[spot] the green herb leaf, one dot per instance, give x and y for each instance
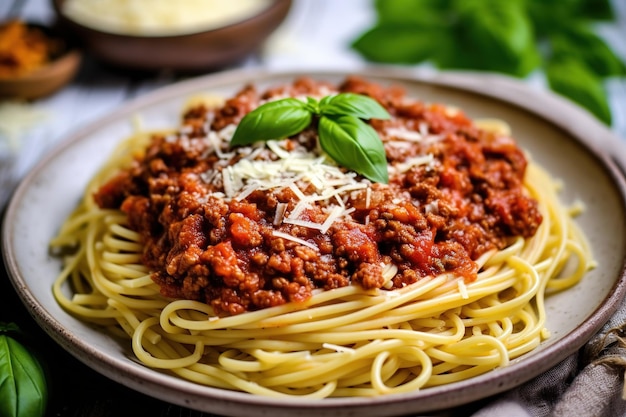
(351, 104)
(579, 42)
(421, 12)
(399, 43)
(312, 105)
(407, 31)
(597, 9)
(273, 120)
(355, 145)
(514, 37)
(342, 134)
(573, 79)
(551, 17)
(499, 36)
(23, 386)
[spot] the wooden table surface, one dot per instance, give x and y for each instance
(75, 389)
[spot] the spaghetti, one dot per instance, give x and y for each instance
(349, 340)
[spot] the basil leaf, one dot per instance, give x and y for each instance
(351, 104)
(323, 102)
(312, 105)
(273, 120)
(572, 79)
(342, 134)
(23, 386)
(551, 16)
(399, 44)
(421, 12)
(499, 36)
(579, 42)
(597, 9)
(407, 32)
(514, 37)
(354, 144)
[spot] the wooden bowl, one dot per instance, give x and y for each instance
(46, 79)
(206, 50)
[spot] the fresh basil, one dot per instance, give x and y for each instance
(342, 133)
(552, 16)
(572, 79)
(354, 144)
(596, 9)
(498, 35)
(350, 104)
(515, 37)
(23, 388)
(580, 43)
(422, 12)
(275, 119)
(410, 44)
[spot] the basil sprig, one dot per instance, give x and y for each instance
(23, 388)
(343, 134)
(515, 37)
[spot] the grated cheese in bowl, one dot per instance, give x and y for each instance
(160, 17)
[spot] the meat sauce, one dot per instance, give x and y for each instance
(232, 253)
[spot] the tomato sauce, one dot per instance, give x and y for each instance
(432, 218)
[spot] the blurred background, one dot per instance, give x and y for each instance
(65, 63)
(574, 47)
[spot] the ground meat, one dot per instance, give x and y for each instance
(232, 253)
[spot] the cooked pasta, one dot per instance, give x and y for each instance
(344, 341)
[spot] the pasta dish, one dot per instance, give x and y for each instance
(270, 268)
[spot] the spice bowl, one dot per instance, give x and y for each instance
(45, 79)
(196, 50)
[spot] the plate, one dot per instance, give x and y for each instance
(561, 137)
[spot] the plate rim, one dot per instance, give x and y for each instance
(608, 150)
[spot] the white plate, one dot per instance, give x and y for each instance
(561, 137)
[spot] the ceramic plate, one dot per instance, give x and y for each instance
(561, 137)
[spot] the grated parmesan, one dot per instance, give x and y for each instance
(310, 175)
(409, 163)
(160, 17)
(312, 178)
(294, 239)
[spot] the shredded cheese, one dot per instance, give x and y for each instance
(337, 212)
(312, 178)
(160, 17)
(412, 162)
(294, 239)
(310, 175)
(403, 134)
(280, 213)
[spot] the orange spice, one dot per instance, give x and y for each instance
(23, 48)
